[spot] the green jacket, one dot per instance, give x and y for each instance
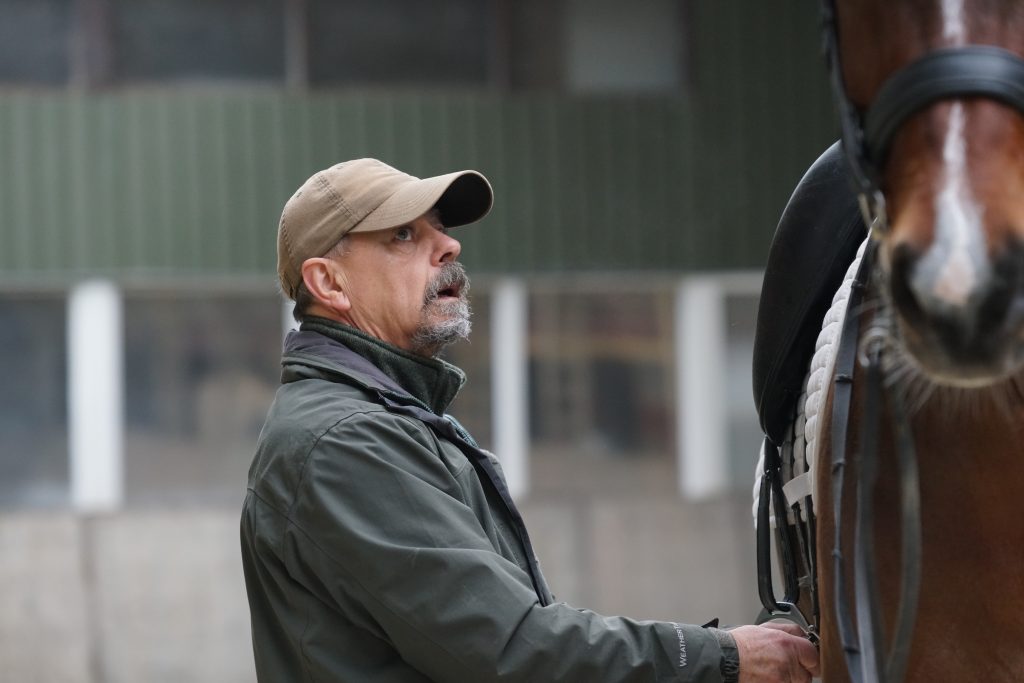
(373, 551)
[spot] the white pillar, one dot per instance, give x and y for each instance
(95, 395)
(508, 387)
(700, 381)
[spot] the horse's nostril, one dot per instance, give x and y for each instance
(972, 327)
(904, 259)
(1002, 312)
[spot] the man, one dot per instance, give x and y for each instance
(379, 542)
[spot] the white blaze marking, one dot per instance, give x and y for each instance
(953, 28)
(953, 266)
(956, 263)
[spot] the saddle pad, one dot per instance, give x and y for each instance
(799, 448)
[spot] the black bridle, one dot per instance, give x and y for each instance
(949, 73)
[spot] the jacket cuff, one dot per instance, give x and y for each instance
(730, 665)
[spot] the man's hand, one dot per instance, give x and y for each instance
(777, 652)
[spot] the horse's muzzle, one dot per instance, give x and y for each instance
(971, 340)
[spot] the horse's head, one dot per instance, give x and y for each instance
(952, 174)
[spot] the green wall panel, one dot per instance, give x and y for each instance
(179, 182)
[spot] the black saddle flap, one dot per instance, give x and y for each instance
(814, 244)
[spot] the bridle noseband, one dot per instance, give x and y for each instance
(950, 73)
(969, 71)
(982, 71)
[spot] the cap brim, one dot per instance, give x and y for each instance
(461, 198)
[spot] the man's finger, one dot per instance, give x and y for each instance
(785, 625)
(807, 655)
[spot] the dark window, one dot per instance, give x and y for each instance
(198, 39)
(601, 393)
(535, 39)
(619, 46)
(35, 41)
(200, 371)
(33, 401)
(399, 42)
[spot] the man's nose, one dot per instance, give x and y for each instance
(448, 248)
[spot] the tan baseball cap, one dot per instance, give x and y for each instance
(364, 195)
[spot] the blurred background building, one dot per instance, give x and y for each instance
(641, 154)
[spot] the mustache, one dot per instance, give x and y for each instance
(451, 276)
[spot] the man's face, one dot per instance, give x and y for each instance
(406, 287)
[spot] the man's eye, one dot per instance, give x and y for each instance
(403, 234)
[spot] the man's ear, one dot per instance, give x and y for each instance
(326, 284)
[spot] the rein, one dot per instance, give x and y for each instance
(865, 653)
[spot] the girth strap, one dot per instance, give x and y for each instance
(772, 501)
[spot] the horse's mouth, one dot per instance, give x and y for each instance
(947, 360)
(973, 341)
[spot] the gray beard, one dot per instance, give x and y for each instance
(443, 322)
(432, 337)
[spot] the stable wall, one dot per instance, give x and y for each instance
(158, 596)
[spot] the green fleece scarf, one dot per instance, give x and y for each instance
(429, 380)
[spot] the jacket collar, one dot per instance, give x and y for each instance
(328, 346)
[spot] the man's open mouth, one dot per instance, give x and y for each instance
(451, 291)
(450, 283)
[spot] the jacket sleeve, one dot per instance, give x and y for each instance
(380, 525)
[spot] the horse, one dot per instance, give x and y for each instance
(919, 453)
